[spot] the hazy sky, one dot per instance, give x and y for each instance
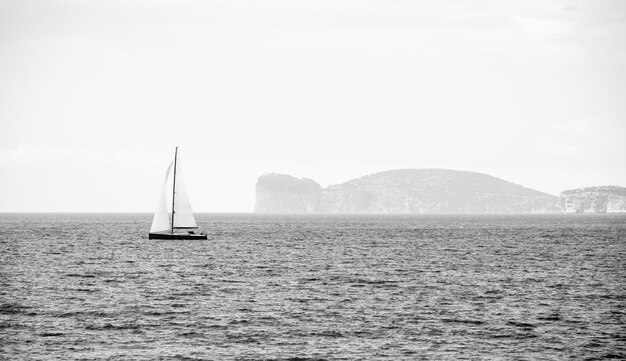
(95, 94)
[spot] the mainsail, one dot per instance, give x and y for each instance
(182, 217)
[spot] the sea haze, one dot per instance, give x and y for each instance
(93, 287)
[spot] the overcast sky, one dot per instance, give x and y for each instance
(95, 94)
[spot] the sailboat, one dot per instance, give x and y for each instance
(180, 222)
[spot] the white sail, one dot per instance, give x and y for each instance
(161, 221)
(183, 216)
(178, 221)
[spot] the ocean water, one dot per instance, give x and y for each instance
(93, 287)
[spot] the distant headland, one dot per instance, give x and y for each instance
(427, 191)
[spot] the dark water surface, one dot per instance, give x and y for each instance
(93, 287)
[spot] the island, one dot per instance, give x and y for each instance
(605, 199)
(403, 191)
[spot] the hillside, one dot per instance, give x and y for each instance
(401, 191)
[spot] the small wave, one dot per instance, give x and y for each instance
(218, 327)
(593, 344)
(548, 235)
(357, 285)
(365, 281)
(51, 334)
(236, 322)
(469, 322)
(552, 317)
(608, 356)
(502, 335)
(191, 334)
(110, 326)
(492, 292)
(521, 324)
(9, 325)
(67, 314)
(362, 333)
(12, 308)
(293, 358)
(88, 290)
(620, 356)
(328, 333)
(98, 314)
(162, 313)
(187, 358)
(80, 275)
(557, 285)
(243, 339)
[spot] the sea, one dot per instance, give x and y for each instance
(314, 287)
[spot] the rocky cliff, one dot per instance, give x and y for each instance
(401, 191)
(607, 199)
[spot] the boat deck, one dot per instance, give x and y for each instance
(177, 236)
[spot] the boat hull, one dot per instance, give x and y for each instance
(176, 236)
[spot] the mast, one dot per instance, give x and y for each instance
(174, 188)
